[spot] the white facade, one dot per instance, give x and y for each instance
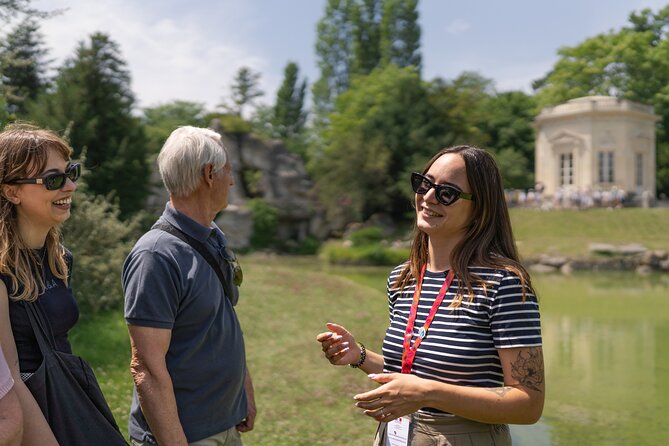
(596, 143)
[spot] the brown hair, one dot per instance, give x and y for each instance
(24, 151)
(488, 241)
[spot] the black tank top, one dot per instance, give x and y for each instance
(60, 308)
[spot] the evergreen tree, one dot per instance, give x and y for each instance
(12, 8)
(400, 34)
(4, 115)
(244, 90)
(22, 65)
(93, 101)
(289, 114)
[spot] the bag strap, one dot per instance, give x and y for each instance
(40, 326)
(199, 247)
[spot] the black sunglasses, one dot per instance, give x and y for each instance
(237, 274)
(446, 194)
(52, 181)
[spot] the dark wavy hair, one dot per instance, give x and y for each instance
(488, 241)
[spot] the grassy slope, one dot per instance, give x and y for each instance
(569, 232)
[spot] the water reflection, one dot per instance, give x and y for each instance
(606, 353)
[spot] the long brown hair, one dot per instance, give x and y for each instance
(488, 241)
(24, 152)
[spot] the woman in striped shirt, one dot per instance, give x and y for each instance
(462, 355)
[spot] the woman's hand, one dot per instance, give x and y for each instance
(400, 394)
(339, 346)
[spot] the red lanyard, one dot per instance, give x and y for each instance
(409, 352)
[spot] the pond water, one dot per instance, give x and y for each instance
(606, 352)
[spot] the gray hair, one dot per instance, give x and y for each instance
(184, 154)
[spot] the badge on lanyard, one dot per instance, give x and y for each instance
(397, 432)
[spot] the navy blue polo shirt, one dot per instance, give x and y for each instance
(167, 284)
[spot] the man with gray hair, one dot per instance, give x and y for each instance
(181, 282)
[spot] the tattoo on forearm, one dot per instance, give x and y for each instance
(528, 369)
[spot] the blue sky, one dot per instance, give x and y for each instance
(191, 50)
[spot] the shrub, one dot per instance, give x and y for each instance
(336, 253)
(99, 242)
(366, 236)
(308, 246)
(231, 124)
(265, 223)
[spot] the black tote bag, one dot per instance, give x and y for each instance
(66, 390)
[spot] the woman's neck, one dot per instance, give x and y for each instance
(439, 253)
(33, 236)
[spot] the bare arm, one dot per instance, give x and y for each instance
(249, 421)
(11, 420)
(154, 383)
(519, 401)
(36, 430)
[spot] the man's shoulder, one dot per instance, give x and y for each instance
(159, 244)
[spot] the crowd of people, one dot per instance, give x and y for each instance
(571, 198)
(462, 356)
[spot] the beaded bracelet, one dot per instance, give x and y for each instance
(363, 356)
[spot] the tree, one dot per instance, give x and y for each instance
(507, 122)
(22, 65)
(400, 34)
(383, 127)
(12, 8)
(334, 54)
(289, 114)
(4, 115)
(356, 36)
(93, 100)
(161, 120)
(244, 90)
(459, 106)
(366, 19)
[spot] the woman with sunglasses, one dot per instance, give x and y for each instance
(37, 181)
(462, 355)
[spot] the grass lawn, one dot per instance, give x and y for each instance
(301, 398)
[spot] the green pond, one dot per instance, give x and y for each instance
(606, 352)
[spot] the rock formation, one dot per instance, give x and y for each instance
(280, 179)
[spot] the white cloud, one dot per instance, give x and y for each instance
(458, 26)
(177, 54)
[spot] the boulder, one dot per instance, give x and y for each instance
(602, 249)
(542, 269)
(631, 249)
(556, 261)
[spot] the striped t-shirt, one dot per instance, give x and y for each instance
(461, 344)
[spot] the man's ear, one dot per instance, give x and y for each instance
(208, 173)
(10, 193)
